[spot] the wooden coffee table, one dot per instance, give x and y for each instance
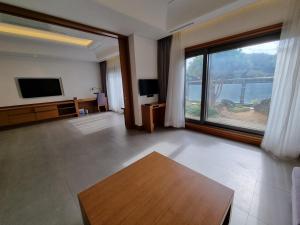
(156, 191)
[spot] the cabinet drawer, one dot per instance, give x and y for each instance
(22, 118)
(20, 111)
(45, 108)
(3, 119)
(47, 115)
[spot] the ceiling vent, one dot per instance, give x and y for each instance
(181, 27)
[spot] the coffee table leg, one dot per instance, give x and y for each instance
(84, 217)
(227, 218)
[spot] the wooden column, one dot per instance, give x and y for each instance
(126, 79)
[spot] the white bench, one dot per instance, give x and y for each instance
(296, 195)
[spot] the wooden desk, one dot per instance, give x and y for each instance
(153, 115)
(90, 104)
(156, 190)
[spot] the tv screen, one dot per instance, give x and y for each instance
(39, 87)
(148, 86)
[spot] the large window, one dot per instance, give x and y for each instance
(236, 87)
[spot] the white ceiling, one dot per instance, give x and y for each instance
(171, 14)
(153, 12)
(101, 48)
(149, 18)
(181, 12)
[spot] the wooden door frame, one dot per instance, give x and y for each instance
(122, 40)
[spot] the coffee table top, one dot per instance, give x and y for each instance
(156, 190)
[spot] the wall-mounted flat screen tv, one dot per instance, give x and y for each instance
(148, 87)
(39, 87)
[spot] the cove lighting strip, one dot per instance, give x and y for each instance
(41, 34)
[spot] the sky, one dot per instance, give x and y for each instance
(267, 48)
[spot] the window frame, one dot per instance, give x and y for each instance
(259, 36)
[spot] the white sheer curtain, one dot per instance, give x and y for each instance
(174, 115)
(114, 85)
(282, 135)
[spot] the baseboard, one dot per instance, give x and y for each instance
(244, 137)
(139, 127)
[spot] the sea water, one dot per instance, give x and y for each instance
(232, 92)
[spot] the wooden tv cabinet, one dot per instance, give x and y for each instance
(23, 114)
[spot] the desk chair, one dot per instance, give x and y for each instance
(102, 101)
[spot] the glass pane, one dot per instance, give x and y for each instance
(193, 87)
(240, 85)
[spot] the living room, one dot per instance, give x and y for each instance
(149, 112)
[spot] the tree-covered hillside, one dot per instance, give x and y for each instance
(233, 64)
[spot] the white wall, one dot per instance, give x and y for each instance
(143, 58)
(78, 77)
(257, 15)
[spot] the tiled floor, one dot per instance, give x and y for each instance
(44, 166)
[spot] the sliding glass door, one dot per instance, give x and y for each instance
(193, 87)
(232, 84)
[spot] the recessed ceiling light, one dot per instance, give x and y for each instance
(41, 34)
